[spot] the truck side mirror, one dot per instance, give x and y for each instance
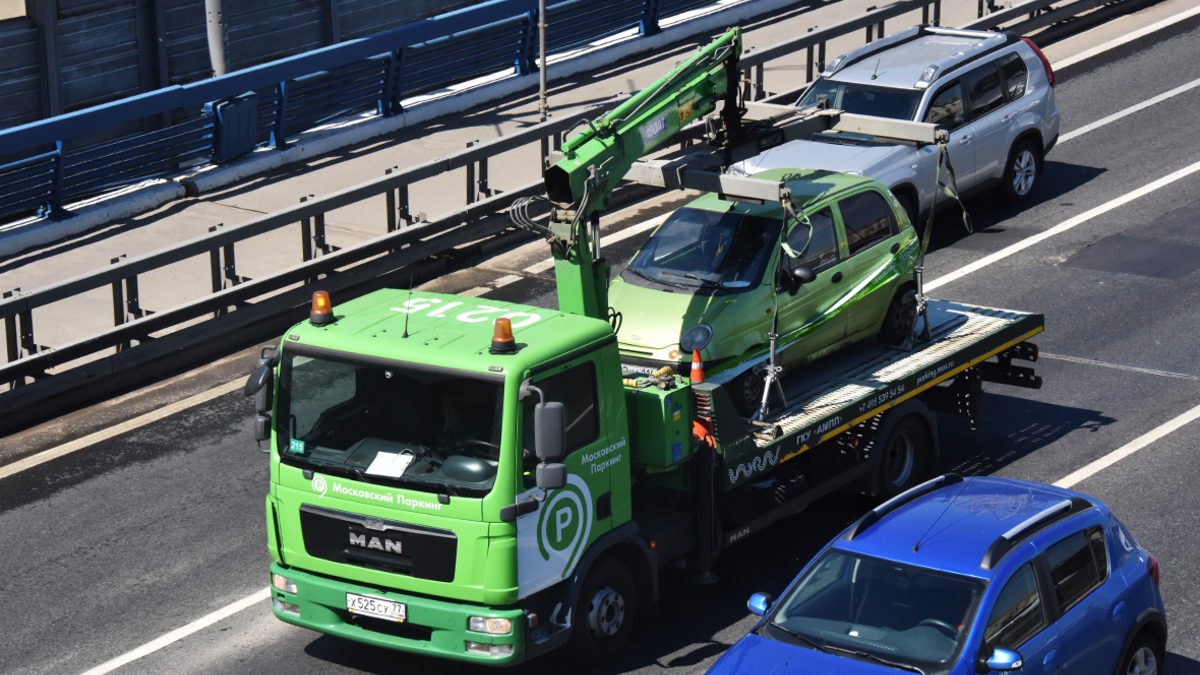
(261, 385)
(550, 432)
(551, 476)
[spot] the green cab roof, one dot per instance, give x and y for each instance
(808, 187)
(449, 331)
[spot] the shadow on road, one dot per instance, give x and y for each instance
(1181, 665)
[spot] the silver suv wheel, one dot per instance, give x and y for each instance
(1024, 172)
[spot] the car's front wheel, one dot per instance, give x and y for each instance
(746, 391)
(1144, 657)
(1021, 172)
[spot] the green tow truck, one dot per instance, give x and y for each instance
(482, 481)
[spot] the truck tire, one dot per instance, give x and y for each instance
(899, 319)
(1021, 172)
(905, 456)
(604, 613)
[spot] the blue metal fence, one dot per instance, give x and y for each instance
(46, 163)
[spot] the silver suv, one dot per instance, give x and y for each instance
(993, 93)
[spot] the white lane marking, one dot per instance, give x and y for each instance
(1141, 32)
(538, 268)
(123, 427)
(477, 291)
(1129, 448)
(1128, 111)
(180, 633)
(1062, 227)
(506, 280)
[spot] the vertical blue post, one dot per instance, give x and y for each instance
(527, 45)
(57, 212)
(650, 18)
(277, 137)
(387, 91)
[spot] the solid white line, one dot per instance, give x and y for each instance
(1062, 227)
(123, 427)
(1128, 111)
(180, 633)
(1141, 32)
(1129, 448)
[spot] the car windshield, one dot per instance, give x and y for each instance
(705, 250)
(864, 99)
(389, 423)
(878, 610)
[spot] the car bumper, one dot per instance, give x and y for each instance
(435, 628)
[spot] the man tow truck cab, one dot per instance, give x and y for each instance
(477, 480)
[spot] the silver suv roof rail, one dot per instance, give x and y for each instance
(874, 515)
(1006, 542)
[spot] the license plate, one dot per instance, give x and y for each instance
(379, 608)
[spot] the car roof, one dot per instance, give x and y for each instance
(956, 525)
(902, 65)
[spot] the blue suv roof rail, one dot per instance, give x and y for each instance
(1048, 516)
(874, 515)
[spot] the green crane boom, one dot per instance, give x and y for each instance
(597, 158)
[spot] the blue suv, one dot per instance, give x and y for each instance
(964, 576)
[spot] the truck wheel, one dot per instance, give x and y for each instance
(604, 613)
(746, 392)
(1021, 172)
(1144, 657)
(898, 321)
(905, 456)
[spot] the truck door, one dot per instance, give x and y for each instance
(817, 297)
(947, 110)
(868, 223)
(551, 539)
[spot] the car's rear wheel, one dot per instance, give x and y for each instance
(746, 392)
(1021, 172)
(1144, 657)
(904, 456)
(898, 321)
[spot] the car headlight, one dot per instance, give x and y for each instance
(481, 624)
(696, 337)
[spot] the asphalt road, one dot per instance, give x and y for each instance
(114, 545)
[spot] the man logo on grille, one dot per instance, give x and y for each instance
(318, 485)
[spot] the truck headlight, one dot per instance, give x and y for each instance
(488, 650)
(283, 583)
(696, 337)
(481, 624)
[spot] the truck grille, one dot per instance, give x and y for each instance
(375, 543)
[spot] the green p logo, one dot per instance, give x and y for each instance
(565, 522)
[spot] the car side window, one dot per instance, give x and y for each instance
(823, 249)
(1018, 614)
(868, 220)
(575, 388)
(1078, 565)
(983, 87)
(946, 108)
(1013, 75)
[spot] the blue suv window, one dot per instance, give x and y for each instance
(1078, 565)
(1017, 615)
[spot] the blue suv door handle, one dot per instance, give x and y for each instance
(1118, 611)
(1051, 657)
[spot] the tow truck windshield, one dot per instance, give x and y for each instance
(706, 251)
(908, 617)
(388, 423)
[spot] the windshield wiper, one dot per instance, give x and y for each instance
(876, 659)
(689, 275)
(798, 635)
(653, 280)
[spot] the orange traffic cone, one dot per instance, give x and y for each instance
(697, 367)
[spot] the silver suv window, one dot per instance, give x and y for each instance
(865, 99)
(946, 109)
(1013, 74)
(983, 86)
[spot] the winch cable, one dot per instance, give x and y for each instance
(950, 188)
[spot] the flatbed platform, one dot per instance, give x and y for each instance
(827, 398)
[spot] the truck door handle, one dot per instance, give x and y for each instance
(837, 276)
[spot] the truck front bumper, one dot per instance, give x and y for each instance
(436, 628)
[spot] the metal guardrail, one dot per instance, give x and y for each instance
(245, 311)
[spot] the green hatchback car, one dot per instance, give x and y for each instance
(712, 274)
